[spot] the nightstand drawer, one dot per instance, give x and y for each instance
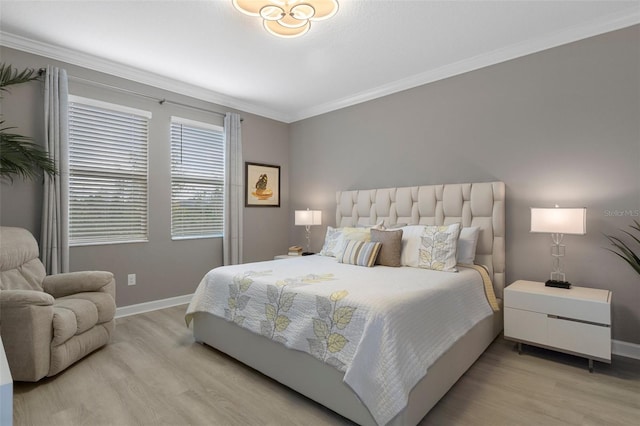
(587, 339)
(580, 303)
(525, 325)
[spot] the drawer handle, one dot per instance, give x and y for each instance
(577, 320)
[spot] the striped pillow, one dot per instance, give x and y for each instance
(361, 253)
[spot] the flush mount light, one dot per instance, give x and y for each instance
(290, 18)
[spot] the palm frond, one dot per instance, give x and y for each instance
(637, 240)
(624, 250)
(20, 156)
(10, 76)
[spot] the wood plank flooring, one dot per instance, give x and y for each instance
(152, 373)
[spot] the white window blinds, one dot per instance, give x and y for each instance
(108, 167)
(197, 179)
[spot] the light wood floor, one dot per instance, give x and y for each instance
(153, 373)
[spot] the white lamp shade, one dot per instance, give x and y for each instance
(308, 217)
(559, 220)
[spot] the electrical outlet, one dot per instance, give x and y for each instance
(131, 279)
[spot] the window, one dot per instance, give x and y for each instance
(108, 162)
(197, 179)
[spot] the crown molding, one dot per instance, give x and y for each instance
(579, 32)
(116, 69)
(609, 23)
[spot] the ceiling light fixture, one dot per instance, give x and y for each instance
(290, 18)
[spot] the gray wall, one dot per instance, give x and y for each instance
(560, 126)
(164, 268)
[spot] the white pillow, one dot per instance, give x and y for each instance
(467, 243)
(438, 247)
(332, 242)
(412, 242)
(411, 238)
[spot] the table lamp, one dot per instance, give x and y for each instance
(558, 221)
(308, 218)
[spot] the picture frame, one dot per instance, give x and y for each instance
(261, 185)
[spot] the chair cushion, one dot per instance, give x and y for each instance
(20, 266)
(77, 347)
(102, 301)
(72, 317)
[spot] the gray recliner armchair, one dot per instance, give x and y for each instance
(49, 322)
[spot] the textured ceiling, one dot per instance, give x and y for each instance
(369, 49)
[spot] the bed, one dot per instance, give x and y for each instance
(334, 382)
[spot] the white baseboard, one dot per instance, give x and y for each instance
(626, 349)
(154, 305)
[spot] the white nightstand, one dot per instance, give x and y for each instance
(575, 321)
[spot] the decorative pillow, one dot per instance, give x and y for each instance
(467, 243)
(360, 234)
(391, 246)
(438, 248)
(411, 239)
(348, 234)
(360, 253)
(332, 242)
(395, 226)
(379, 225)
(336, 238)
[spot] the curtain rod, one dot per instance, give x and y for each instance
(161, 101)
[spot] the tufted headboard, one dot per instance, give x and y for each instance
(472, 204)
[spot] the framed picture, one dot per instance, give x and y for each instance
(261, 185)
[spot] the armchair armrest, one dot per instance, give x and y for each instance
(26, 317)
(60, 285)
(16, 298)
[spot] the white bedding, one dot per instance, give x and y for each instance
(382, 326)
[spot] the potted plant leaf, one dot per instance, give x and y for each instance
(20, 155)
(626, 251)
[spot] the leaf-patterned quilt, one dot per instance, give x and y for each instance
(383, 327)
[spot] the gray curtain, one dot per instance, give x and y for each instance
(54, 239)
(233, 194)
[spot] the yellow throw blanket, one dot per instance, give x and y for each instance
(488, 284)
